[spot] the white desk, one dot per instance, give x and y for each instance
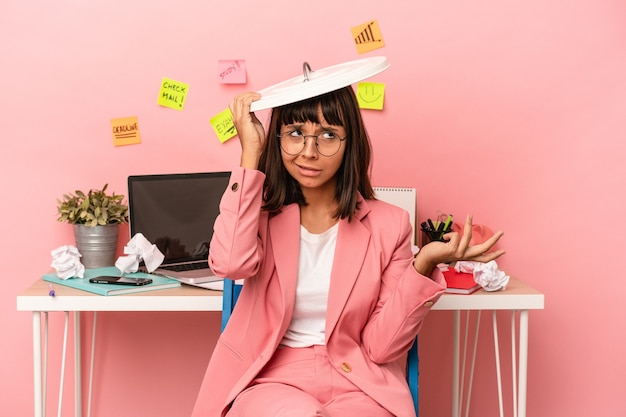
(37, 300)
(517, 297)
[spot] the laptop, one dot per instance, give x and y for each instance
(176, 212)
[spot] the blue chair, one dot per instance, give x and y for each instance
(231, 293)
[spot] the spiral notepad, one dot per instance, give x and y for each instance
(401, 197)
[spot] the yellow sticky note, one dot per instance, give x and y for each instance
(223, 125)
(125, 131)
(173, 94)
(370, 95)
(367, 37)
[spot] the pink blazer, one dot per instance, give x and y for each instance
(376, 302)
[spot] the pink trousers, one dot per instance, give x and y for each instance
(300, 382)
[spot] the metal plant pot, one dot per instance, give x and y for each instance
(96, 244)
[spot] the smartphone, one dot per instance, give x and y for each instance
(120, 280)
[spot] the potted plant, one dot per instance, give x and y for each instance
(96, 217)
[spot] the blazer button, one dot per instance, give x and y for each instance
(428, 303)
(346, 367)
(235, 186)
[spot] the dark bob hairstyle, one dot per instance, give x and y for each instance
(339, 108)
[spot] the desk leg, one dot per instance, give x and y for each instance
(78, 386)
(38, 381)
(456, 347)
(519, 404)
(496, 348)
(523, 362)
(514, 361)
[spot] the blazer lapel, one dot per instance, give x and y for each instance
(285, 237)
(352, 243)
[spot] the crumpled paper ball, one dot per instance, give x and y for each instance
(486, 274)
(137, 249)
(66, 262)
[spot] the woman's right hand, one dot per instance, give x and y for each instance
(249, 129)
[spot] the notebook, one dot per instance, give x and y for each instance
(176, 212)
(403, 197)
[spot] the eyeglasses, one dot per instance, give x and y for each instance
(327, 143)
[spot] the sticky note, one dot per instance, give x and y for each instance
(370, 95)
(367, 37)
(223, 125)
(125, 131)
(232, 71)
(173, 94)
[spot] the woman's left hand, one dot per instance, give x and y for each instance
(456, 247)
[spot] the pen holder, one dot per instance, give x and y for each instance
(435, 236)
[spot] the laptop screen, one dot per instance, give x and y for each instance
(176, 212)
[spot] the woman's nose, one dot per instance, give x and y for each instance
(310, 146)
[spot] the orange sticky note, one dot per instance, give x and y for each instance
(367, 37)
(370, 95)
(173, 94)
(223, 125)
(125, 131)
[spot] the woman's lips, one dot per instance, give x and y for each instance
(308, 171)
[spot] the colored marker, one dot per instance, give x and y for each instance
(447, 223)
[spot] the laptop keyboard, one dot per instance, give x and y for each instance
(186, 267)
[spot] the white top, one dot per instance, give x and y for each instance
(317, 252)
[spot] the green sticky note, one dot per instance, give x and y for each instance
(370, 95)
(173, 94)
(223, 125)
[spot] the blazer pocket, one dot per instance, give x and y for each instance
(230, 349)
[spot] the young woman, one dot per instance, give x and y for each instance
(333, 297)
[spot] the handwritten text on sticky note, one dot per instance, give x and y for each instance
(232, 71)
(370, 95)
(223, 125)
(125, 131)
(173, 94)
(367, 37)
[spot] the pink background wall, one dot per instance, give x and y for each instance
(513, 111)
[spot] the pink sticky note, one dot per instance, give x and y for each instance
(232, 71)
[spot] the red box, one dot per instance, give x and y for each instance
(460, 282)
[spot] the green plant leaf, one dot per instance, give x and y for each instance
(93, 208)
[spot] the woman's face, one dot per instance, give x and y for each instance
(310, 168)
